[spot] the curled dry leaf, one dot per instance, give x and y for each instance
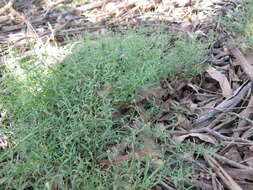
(246, 66)
(223, 81)
(203, 137)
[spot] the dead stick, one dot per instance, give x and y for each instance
(226, 104)
(240, 117)
(166, 185)
(216, 121)
(6, 7)
(233, 163)
(222, 137)
(227, 179)
(29, 25)
(214, 133)
(199, 184)
(221, 125)
(234, 114)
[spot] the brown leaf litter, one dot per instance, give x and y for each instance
(33, 20)
(217, 113)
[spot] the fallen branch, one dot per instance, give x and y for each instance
(222, 137)
(232, 163)
(229, 113)
(215, 134)
(240, 117)
(225, 105)
(227, 179)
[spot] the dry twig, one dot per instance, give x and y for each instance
(232, 163)
(7, 7)
(227, 179)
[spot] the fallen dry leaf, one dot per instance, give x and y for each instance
(246, 66)
(248, 156)
(233, 154)
(223, 81)
(203, 137)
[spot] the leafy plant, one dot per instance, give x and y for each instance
(240, 23)
(59, 114)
